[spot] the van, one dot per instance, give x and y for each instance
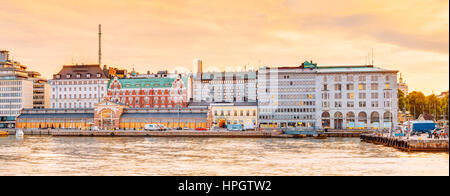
(152, 127)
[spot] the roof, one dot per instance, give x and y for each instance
(351, 68)
(158, 82)
(83, 70)
(229, 75)
(55, 115)
(164, 115)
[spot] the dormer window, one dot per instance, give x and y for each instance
(68, 76)
(88, 75)
(98, 75)
(58, 76)
(78, 75)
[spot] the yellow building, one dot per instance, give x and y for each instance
(245, 113)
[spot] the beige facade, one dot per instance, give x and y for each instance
(229, 113)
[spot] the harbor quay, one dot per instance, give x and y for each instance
(413, 143)
(184, 133)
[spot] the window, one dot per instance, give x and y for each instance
(387, 85)
(337, 87)
(362, 78)
(374, 104)
(350, 87)
(374, 78)
(337, 104)
(362, 95)
(350, 104)
(362, 86)
(374, 95)
(362, 104)
(350, 95)
(349, 78)
(374, 86)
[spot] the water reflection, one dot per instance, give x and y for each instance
(43, 155)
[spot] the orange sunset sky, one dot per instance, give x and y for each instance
(411, 36)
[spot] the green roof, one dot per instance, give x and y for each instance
(146, 82)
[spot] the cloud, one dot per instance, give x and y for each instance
(157, 34)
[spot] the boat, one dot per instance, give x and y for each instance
(19, 133)
(3, 133)
(320, 136)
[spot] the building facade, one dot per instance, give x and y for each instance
(356, 97)
(153, 92)
(243, 113)
(78, 86)
(19, 88)
(109, 115)
(217, 87)
(287, 97)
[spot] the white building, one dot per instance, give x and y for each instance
(356, 97)
(287, 97)
(213, 87)
(78, 86)
(17, 90)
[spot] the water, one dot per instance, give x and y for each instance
(45, 155)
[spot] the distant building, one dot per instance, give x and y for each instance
(243, 113)
(19, 89)
(402, 85)
(217, 87)
(78, 86)
(287, 96)
(150, 92)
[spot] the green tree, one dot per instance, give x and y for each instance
(416, 103)
(432, 105)
(401, 101)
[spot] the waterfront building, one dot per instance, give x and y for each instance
(243, 113)
(151, 91)
(334, 97)
(402, 85)
(78, 86)
(19, 88)
(217, 87)
(356, 97)
(111, 115)
(287, 96)
(41, 90)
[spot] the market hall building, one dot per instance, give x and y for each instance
(112, 115)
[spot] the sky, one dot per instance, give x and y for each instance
(411, 36)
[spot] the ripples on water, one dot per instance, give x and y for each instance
(43, 155)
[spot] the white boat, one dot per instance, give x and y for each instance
(19, 133)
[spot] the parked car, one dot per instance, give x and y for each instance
(93, 128)
(201, 129)
(153, 127)
(236, 127)
(178, 128)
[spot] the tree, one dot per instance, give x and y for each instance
(401, 100)
(416, 103)
(432, 105)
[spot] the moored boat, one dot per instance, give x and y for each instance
(3, 133)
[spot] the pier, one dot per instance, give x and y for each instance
(414, 143)
(181, 133)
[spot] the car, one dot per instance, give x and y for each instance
(178, 128)
(201, 129)
(93, 128)
(153, 127)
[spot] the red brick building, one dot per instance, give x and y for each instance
(149, 92)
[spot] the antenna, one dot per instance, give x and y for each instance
(100, 45)
(372, 56)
